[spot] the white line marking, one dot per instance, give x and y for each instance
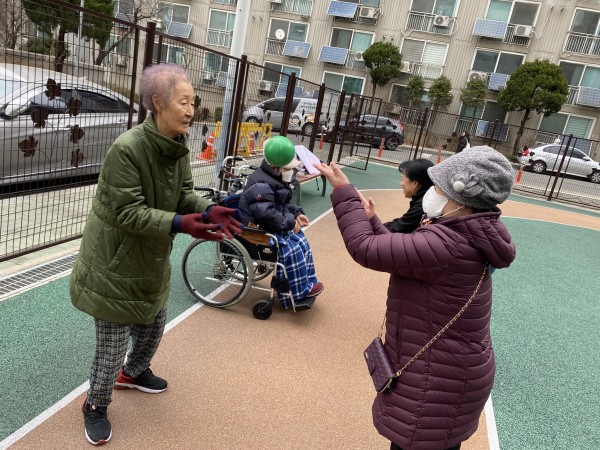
(490, 421)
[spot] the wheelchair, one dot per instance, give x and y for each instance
(221, 274)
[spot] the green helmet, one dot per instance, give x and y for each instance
(280, 152)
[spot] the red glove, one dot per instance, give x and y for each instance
(224, 217)
(193, 224)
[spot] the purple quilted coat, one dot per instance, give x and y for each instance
(437, 402)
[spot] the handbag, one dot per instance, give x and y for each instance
(378, 362)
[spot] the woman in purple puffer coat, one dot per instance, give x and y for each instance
(436, 403)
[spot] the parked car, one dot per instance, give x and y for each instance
(55, 125)
(548, 158)
(371, 128)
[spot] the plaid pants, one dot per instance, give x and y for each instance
(295, 254)
(111, 348)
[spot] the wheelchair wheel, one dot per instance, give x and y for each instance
(262, 309)
(216, 273)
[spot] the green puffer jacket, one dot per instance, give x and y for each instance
(122, 274)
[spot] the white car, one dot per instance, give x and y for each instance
(548, 158)
(55, 125)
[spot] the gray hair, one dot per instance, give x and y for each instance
(159, 79)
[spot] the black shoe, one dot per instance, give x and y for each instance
(97, 427)
(145, 382)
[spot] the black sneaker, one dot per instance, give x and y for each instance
(145, 382)
(97, 427)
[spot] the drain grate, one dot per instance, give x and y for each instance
(36, 276)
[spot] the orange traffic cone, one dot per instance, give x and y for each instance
(381, 148)
(519, 174)
(251, 148)
(321, 141)
(208, 151)
(439, 158)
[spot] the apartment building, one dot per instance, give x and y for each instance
(322, 41)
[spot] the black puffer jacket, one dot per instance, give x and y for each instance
(266, 201)
(411, 219)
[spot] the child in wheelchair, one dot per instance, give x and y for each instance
(266, 202)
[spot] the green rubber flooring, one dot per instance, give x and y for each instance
(544, 328)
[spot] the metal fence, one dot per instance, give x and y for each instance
(79, 90)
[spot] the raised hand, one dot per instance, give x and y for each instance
(333, 173)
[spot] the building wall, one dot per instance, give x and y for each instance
(551, 28)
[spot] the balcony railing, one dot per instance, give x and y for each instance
(513, 34)
(275, 47)
(225, 2)
(220, 38)
(583, 44)
(300, 7)
(429, 72)
(425, 22)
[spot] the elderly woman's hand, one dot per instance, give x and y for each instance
(334, 174)
(369, 205)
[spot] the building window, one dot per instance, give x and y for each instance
(355, 41)
(436, 7)
(220, 28)
(497, 62)
(561, 125)
(584, 35)
(173, 12)
(401, 97)
(273, 72)
(339, 82)
(281, 31)
(169, 54)
(517, 13)
(428, 58)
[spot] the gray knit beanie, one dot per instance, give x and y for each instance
(479, 177)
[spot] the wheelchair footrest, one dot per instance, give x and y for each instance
(305, 303)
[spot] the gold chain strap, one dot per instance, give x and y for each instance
(442, 331)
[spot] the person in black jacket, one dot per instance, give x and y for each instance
(265, 202)
(464, 142)
(415, 182)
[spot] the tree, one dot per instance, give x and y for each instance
(440, 96)
(415, 90)
(538, 86)
(473, 94)
(383, 59)
(137, 11)
(440, 93)
(47, 17)
(12, 22)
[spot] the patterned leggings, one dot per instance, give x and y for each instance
(111, 348)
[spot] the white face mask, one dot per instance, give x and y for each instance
(287, 175)
(433, 203)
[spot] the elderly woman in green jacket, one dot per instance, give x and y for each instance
(122, 274)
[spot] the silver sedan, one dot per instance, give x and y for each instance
(55, 125)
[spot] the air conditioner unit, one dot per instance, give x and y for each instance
(367, 12)
(209, 76)
(265, 85)
(121, 61)
(405, 66)
(358, 56)
(523, 30)
(475, 75)
(441, 21)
